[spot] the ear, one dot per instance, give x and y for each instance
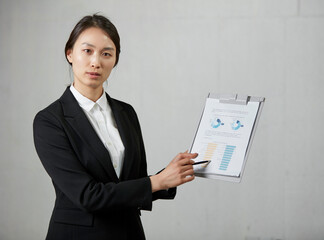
(69, 55)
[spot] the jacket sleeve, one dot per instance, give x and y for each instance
(72, 178)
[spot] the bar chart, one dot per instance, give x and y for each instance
(227, 156)
(211, 148)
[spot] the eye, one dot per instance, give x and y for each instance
(87, 50)
(106, 54)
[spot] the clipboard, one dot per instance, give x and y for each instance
(235, 99)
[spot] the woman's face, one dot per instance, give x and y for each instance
(93, 57)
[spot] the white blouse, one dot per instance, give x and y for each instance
(101, 118)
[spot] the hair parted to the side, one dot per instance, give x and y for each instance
(97, 21)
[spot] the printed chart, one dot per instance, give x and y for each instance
(220, 154)
(223, 136)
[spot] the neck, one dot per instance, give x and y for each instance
(92, 93)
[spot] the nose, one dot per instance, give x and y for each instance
(95, 61)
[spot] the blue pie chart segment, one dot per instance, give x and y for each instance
(216, 123)
(237, 125)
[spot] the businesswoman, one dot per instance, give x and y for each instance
(91, 146)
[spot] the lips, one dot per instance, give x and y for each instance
(93, 75)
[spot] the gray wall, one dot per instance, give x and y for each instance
(173, 53)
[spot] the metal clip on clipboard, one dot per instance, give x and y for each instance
(240, 99)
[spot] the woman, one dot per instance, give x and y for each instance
(91, 146)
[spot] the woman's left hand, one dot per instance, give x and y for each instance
(179, 171)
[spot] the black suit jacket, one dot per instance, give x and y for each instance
(91, 201)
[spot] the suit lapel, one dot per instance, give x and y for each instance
(80, 123)
(125, 134)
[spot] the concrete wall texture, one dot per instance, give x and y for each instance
(173, 53)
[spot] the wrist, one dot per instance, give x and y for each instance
(155, 183)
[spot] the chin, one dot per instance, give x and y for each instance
(94, 83)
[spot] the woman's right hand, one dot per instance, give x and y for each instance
(179, 171)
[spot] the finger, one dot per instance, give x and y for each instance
(188, 155)
(195, 155)
(188, 178)
(192, 155)
(186, 161)
(179, 157)
(188, 172)
(186, 168)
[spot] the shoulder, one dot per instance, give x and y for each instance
(52, 110)
(126, 108)
(58, 109)
(53, 114)
(120, 105)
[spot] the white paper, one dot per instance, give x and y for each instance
(223, 136)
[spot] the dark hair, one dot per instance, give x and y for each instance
(97, 21)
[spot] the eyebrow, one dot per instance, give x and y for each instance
(91, 45)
